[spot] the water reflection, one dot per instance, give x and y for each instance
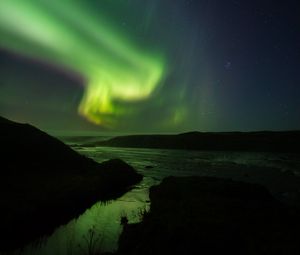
(102, 219)
(154, 164)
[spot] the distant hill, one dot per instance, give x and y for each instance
(286, 141)
(44, 183)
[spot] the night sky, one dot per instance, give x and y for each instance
(151, 66)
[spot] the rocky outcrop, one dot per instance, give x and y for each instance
(205, 215)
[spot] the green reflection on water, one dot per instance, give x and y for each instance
(103, 218)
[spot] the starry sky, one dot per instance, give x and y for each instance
(151, 66)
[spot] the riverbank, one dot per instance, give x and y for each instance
(44, 183)
(209, 215)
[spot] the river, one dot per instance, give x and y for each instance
(100, 224)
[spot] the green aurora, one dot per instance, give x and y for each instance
(150, 66)
(67, 34)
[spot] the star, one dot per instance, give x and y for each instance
(227, 65)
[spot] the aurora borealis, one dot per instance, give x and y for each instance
(64, 33)
(150, 66)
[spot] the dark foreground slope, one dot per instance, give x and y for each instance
(44, 183)
(205, 215)
(253, 141)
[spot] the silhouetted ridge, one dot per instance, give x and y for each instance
(286, 141)
(25, 144)
(44, 183)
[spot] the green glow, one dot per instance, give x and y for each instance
(66, 33)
